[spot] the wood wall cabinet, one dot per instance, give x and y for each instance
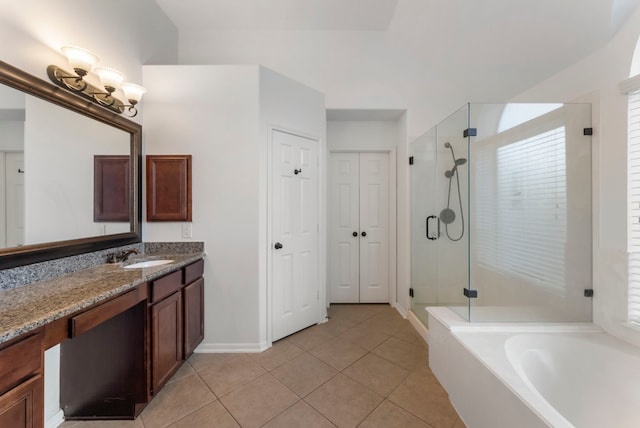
(168, 187)
(21, 384)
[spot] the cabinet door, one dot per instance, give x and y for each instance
(193, 316)
(166, 339)
(169, 188)
(22, 407)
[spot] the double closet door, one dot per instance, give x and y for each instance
(358, 227)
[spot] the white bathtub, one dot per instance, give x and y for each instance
(535, 376)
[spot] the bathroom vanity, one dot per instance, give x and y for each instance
(123, 334)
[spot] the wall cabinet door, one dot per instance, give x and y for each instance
(168, 188)
(193, 316)
(359, 228)
(166, 339)
(22, 407)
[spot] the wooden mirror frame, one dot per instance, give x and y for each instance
(28, 254)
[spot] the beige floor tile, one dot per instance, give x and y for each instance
(230, 374)
(281, 352)
(213, 415)
(337, 325)
(300, 414)
(175, 401)
(365, 337)
(388, 415)
(338, 353)
(421, 395)
(356, 313)
(409, 334)
(304, 374)
(387, 323)
(378, 374)
(184, 371)
(310, 338)
(405, 354)
(103, 424)
(202, 361)
(259, 401)
(344, 401)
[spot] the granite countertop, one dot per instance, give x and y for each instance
(28, 307)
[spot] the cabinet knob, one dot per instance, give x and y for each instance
(364, 233)
(277, 246)
(355, 234)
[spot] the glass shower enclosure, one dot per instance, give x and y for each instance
(501, 214)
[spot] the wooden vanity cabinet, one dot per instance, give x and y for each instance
(166, 339)
(177, 321)
(22, 385)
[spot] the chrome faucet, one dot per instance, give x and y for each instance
(122, 256)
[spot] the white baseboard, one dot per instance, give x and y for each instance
(422, 330)
(231, 348)
(55, 421)
(402, 311)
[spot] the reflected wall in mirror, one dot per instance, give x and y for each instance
(49, 140)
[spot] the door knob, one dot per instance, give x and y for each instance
(277, 246)
(297, 171)
(355, 234)
(364, 233)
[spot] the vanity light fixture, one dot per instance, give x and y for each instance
(83, 62)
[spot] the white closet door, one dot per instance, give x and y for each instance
(15, 198)
(374, 227)
(359, 205)
(344, 222)
(295, 207)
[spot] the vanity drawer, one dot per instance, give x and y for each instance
(193, 271)
(20, 360)
(165, 286)
(104, 312)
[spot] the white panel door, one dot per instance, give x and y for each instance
(359, 228)
(295, 215)
(344, 228)
(15, 198)
(374, 227)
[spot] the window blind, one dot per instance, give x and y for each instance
(633, 204)
(521, 208)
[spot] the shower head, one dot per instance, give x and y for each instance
(453, 170)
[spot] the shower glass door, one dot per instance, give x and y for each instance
(440, 222)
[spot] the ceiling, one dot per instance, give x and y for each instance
(363, 15)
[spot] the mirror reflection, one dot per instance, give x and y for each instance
(47, 172)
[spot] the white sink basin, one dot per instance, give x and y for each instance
(148, 263)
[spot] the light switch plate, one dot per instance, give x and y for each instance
(187, 230)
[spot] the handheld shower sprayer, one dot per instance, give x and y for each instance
(447, 215)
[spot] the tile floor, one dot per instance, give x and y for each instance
(366, 367)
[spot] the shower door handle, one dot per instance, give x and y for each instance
(433, 238)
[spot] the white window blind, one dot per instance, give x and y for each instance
(521, 208)
(633, 202)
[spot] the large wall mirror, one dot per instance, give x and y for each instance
(60, 157)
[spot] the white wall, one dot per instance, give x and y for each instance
(362, 135)
(212, 113)
(221, 116)
(595, 79)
